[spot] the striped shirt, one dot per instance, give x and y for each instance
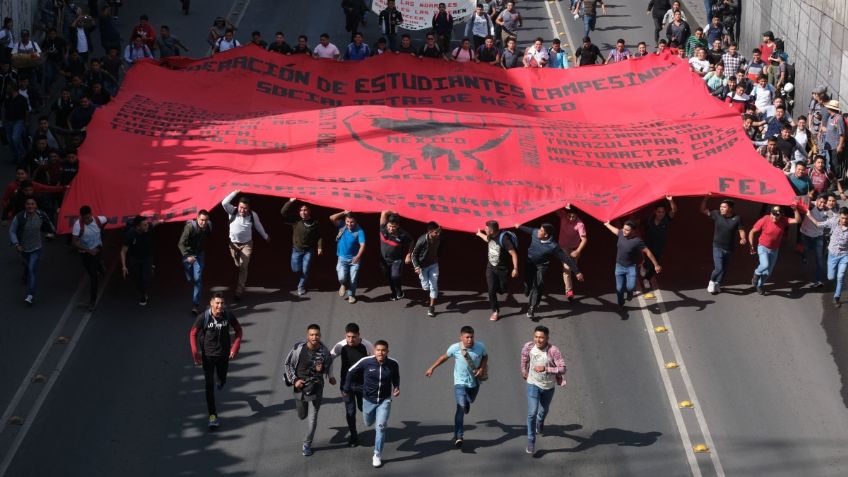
(838, 237)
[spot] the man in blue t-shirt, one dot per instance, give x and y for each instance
(470, 366)
(350, 245)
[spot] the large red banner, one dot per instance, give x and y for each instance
(433, 140)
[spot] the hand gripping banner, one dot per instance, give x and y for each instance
(434, 140)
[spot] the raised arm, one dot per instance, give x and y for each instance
(335, 218)
(228, 207)
(611, 228)
(384, 217)
(704, 210)
(672, 206)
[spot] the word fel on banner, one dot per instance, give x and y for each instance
(430, 139)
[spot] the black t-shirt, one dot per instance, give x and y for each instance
(786, 146)
(69, 171)
(215, 337)
(406, 49)
(588, 56)
(139, 244)
(430, 52)
(350, 355)
(281, 48)
(487, 55)
(54, 48)
(629, 249)
(305, 370)
(301, 50)
(726, 230)
(393, 246)
(499, 248)
(656, 235)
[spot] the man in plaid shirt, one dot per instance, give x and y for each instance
(543, 368)
(732, 60)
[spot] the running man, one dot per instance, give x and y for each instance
(543, 367)
(837, 250)
(242, 222)
(395, 251)
(305, 367)
(470, 368)
(501, 254)
(211, 348)
(379, 378)
(656, 236)
(192, 248)
(25, 235)
(425, 260)
(771, 227)
(351, 350)
(306, 241)
(350, 245)
(573, 240)
(629, 248)
(728, 229)
(87, 240)
(137, 256)
(543, 247)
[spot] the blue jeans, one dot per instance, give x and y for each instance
(836, 265)
(538, 403)
(588, 23)
(300, 260)
(15, 131)
(193, 273)
(464, 397)
(378, 413)
(347, 272)
(624, 277)
(31, 260)
(816, 245)
(768, 258)
(721, 258)
(708, 6)
(429, 277)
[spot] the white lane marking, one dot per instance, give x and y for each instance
(42, 355)
(669, 390)
(690, 388)
(54, 375)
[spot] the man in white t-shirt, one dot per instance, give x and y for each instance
(699, 63)
(86, 238)
(325, 49)
(536, 55)
(227, 42)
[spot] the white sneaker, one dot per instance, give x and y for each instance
(28, 300)
(376, 461)
(711, 287)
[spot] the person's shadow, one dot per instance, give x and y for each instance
(609, 436)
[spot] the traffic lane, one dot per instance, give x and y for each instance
(134, 363)
(767, 380)
(626, 21)
(27, 327)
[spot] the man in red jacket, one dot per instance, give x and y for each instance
(21, 176)
(146, 31)
(211, 331)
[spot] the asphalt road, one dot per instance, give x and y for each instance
(768, 371)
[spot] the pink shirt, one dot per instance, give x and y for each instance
(570, 232)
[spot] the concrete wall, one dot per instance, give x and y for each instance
(816, 36)
(21, 11)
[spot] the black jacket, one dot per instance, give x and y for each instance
(419, 252)
(377, 380)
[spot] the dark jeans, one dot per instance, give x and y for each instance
(815, 245)
(92, 265)
(142, 273)
(214, 366)
(657, 28)
(31, 260)
(497, 279)
(393, 271)
(534, 282)
(352, 402)
(721, 258)
(464, 397)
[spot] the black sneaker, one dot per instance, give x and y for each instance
(195, 310)
(143, 301)
(760, 290)
(540, 427)
(431, 312)
(467, 407)
(457, 443)
(353, 440)
(531, 312)
(836, 303)
(755, 280)
(629, 295)
(394, 297)
(236, 298)
(400, 296)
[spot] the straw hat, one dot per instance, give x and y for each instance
(832, 105)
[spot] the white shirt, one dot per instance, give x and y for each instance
(330, 51)
(810, 229)
(700, 66)
(801, 137)
(241, 227)
(481, 25)
(224, 45)
(544, 380)
(538, 55)
(82, 40)
(89, 236)
(31, 47)
(369, 348)
(762, 96)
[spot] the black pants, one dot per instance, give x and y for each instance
(352, 402)
(92, 265)
(657, 28)
(393, 270)
(214, 366)
(497, 279)
(142, 273)
(650, 271)
(534, 282)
